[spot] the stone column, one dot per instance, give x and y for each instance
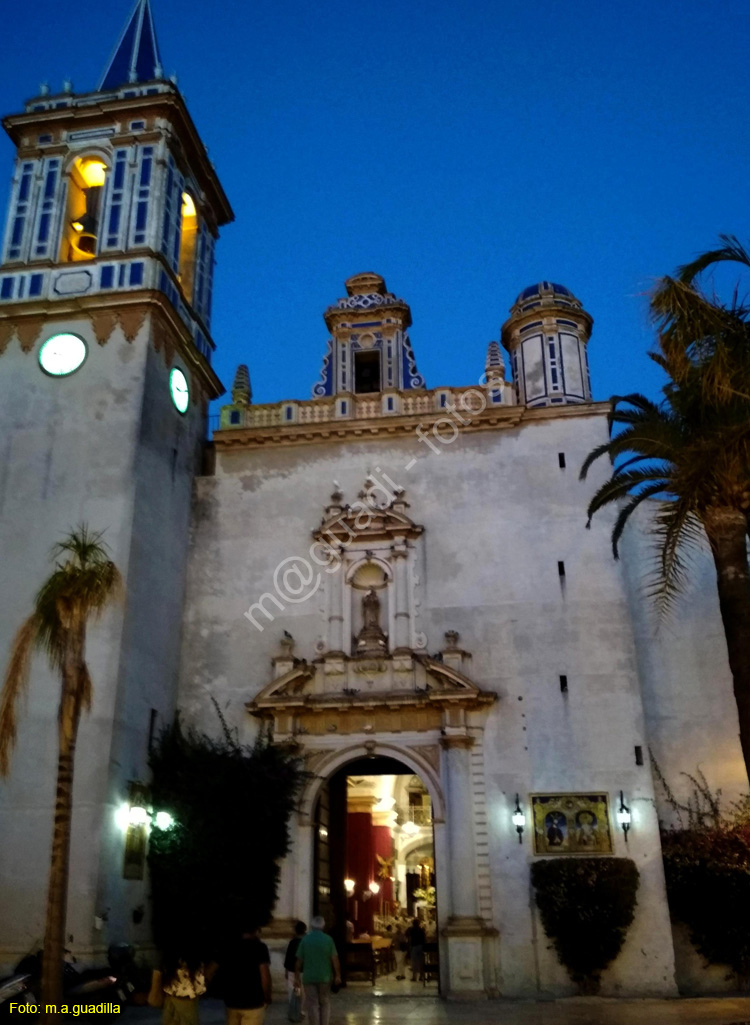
(402, 640)
(467, 936)
(460, 822)
(336, 610)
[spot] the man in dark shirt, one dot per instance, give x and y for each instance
(245, 975)
(290, 958)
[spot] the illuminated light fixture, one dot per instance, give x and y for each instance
(410, 827)
(77, 226)
(349, 885)
(163, 820)
(188, 205)
(93, 172)
(323, 833)
(624, 818)
(122, 817)
(374, 887)
(519, 820)
(137, 815)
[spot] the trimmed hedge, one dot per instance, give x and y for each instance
(586, 906)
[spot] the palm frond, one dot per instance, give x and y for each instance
(679, 534)
(14, 686)
(731, 250)
(627, 511)
(620, 485)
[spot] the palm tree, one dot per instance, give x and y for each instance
(692, 451)
(84, 581)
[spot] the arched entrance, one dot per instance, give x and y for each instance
(375, 874)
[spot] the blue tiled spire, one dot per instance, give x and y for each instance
(136, 57)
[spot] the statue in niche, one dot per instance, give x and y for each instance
(371, 640)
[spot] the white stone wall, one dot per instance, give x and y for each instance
(499, 514)
(103, 446)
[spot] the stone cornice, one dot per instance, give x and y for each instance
(26, 320)
(399, 425)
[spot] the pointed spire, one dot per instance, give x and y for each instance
(242, 393)
(136, 57)
(494, 367)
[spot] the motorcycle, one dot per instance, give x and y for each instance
(16, 989)
(101, 984)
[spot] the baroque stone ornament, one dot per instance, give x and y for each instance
(7, 330)
(28, 331)
(131, 321)
(103, 323)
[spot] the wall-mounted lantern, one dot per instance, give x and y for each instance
(134, 817)
(374, 887)
(349, 885)
(519, 820)
(624, 818)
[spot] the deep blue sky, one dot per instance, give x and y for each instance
(463, 152)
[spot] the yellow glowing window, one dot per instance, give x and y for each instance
(85, 190)
(188, 240)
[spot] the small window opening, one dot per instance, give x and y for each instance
(152, 727)
(80, 239)
(563, 684)
(234, 417)
(561, 569)
(367, 371)
(288, 413)
(638, 754)
(561, 460)
(188, 239)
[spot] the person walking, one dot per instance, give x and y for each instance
(400, 950)
(245, 978)
(183, 982)
(294, 1009)
(416, 939)
(290, 958)
(317, 965)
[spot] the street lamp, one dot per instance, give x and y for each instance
(519, 820)
(624, 818)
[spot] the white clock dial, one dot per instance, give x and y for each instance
(62, 354)
(179, 390)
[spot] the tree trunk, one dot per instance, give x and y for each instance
(726, 529)
(57, 896)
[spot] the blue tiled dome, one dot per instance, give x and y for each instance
(541, 288)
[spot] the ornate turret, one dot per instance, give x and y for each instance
(242, 392)
(369, 350)
(546, 336)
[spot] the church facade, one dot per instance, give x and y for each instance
(383, 574)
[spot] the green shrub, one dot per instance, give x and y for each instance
(216, 868)
(707, 870)
(586, 906)
(708, 885)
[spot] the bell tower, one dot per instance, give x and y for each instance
(106, 275)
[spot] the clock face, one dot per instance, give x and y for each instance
(62, 354)
(179, 390)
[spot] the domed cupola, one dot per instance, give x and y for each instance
(546, 336)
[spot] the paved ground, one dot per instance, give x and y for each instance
(362, 1008)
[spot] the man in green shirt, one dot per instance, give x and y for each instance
(317, 964)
